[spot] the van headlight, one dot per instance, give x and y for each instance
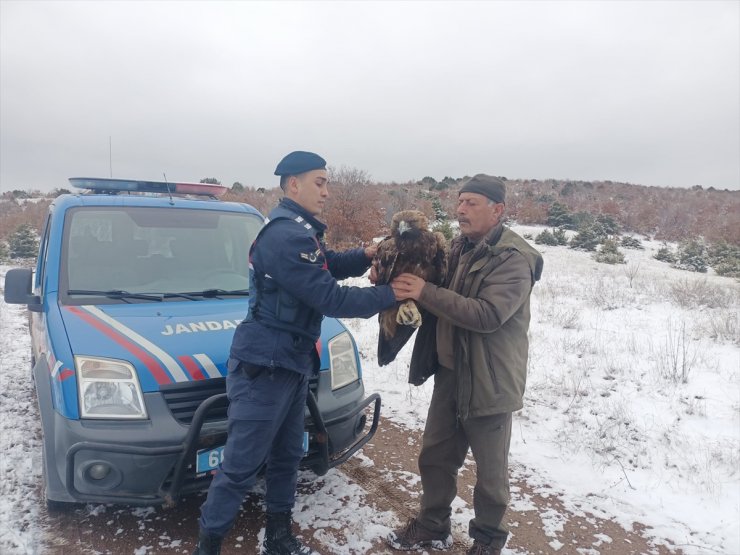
(108, 389)
(342, 361)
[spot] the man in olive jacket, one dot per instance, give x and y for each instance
(474, 341)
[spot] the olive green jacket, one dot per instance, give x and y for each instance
(490, 316)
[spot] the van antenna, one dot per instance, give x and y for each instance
(169, 191)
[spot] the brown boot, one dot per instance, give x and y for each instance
(414, 537)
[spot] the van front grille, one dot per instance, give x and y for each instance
(183, 399)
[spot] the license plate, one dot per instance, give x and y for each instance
(209, 459)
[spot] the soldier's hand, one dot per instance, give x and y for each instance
(371, 251)
(373, 277)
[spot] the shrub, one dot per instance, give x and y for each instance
(3, 251)
(546, 238)
(23, 242)
(692, 256)
(606, 225)
(631, 243)
(724, 259)
(560, 237)
(609, 253)
(698, 292)
(445, 228)
(559, 216)
(587, 238)
(439, 212)
(665, 254)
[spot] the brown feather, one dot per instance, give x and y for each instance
(417, 251)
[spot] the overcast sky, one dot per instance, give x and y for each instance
(646, 92)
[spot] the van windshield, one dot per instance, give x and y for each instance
(154, 251)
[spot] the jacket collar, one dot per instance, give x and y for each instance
(292, 206)
(490, 239)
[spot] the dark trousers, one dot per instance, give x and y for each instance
(445, 445)
(266, 424)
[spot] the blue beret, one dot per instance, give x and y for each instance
(300, 162)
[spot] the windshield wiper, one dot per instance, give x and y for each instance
(215, 293)
(188, 296)
(117, 294)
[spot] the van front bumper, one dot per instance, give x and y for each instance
(94, 469)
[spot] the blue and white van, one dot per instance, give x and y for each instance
(136, 294)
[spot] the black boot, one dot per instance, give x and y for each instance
(279, 538)
(208, 544)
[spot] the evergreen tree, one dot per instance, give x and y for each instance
(692, 256)
(546, 238)
(237, 187)
(665, 254)
(588, 237)
(3, 251)
(445, 228)
(560, 237)
(724, 258)
(609, 253)
(631, 243)
(23, 242)
(439, 212)
(559, 216)
(606, 225)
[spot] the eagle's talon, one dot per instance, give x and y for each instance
(409, 315)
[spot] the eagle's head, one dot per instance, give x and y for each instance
(403, 226)
(407, 221)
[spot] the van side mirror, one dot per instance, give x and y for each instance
(18, 289)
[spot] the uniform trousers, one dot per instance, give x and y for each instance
(445, 445)
(265, 426)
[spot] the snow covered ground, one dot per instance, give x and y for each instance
(632, 410)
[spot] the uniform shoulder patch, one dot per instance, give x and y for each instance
(312, 256)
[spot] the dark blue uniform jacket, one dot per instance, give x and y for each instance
(293, 285)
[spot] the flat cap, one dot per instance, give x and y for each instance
(300, 162)
(486, 185)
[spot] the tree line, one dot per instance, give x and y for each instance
(360, 209)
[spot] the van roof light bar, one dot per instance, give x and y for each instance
(108, 185)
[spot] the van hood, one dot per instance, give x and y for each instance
(166, 342)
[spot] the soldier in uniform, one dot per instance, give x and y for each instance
(293, 285)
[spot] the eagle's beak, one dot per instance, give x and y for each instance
(403, 227)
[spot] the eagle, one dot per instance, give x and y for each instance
(410, 248)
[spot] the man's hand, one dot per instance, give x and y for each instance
(371, 251)
(373, 277)
(407, 286)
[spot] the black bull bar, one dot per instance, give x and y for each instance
(321, 463)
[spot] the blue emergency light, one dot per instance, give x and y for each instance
(108, 185)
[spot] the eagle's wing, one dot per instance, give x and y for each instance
(385, 259)
(439, 260)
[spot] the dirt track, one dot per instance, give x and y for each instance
(122, 530)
